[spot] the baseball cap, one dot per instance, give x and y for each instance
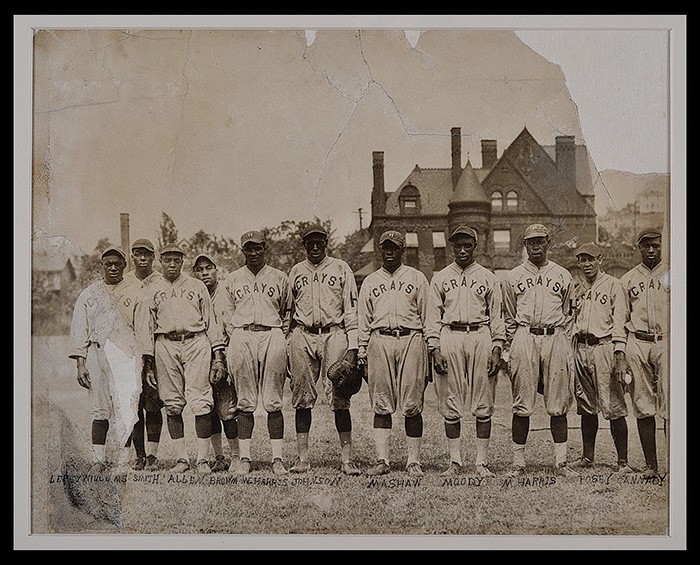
(171, 248)
(203, 256)
(648, 232)
(315, 229)
(393, 236)
(463, 230)
(113, 249)
(252, 237)
(589, 249)
(143, 244)
(535, 230)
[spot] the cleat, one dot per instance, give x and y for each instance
(203, 467)
(243, 467)
(181, 465)
(563, 470)
(151, 463)
(139, 464)
(624, 468)
(583, 463)
(219, 465)
(381, 468)
(516, 471)
(278, 467)
(414, 469)
(650, 473)
(453, 470)
(349, 468)
(300, 467)
(482, 470)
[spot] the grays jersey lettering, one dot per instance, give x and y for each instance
(162, 296)
(401, 286)
(531, 282)
(331, 281)
(452, 284)
(257, 288)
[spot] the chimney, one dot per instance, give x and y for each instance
(456, 135)
(378, 194)
(566, 161)
(489, 153)
(124, 225)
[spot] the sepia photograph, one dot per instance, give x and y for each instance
(350, 282)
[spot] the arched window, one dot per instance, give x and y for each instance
(409, 200)
(512, 201)
(496, 201)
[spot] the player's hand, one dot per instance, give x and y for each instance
(620, 368)
(149, 371)
(83, 374)
(439, 361)
(351, 357)
(494, 362)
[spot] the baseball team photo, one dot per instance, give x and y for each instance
(295, 284)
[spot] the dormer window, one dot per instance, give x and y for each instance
(409, 200)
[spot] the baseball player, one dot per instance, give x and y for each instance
(600, 313)
(225, 399)
(111, 342)
(537, 312)
(257, 323)
(150, 406)
(647, 292)
(324, 329)
(392, 311)
(186, 338)
(465, 334)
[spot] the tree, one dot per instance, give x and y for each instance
(350, 249)
(168, 231)
(284, 242)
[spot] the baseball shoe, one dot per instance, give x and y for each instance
(381, 468)
(516, 471)
(233, 466)
(278, 467)
(453, 470)
(300, 467)
(482, 470)
(583, 463)
(219, 465)
(98, 468)
(243, 467)
(650, 472)
(151, 463)
(624, 468)
(181, 465)
(349, 468)
(414, 469)
(563, 470)
(203, 467)
(139, 464)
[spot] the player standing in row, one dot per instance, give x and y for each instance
(647, 290)
(392, 311)
(111, 342)
(600, 313)
(224, 393)
(186, 338)
(537, 311)
(150, 405)
(257, 323)
(465, 333)
(324, 330)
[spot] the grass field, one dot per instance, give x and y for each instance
(322, 502)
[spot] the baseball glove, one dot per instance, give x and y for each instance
(218, 371)
(346, 378)
(225, 399)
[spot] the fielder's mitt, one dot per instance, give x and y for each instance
(218, 371)
(225, 399)
(346, 378)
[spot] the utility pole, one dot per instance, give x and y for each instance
(124, 229)
(359, 213)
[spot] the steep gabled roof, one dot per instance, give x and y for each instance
(435, 186)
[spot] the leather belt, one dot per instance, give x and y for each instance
(644, 336)
(590, 339)
(465, 327)
(256, 328)
(318, 330)
(180, 336)
(541, 331)
(397, 332)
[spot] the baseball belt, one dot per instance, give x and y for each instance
(644, 336)
(590, 339)
(396, 332)
(465, 327)
(541, 331)
(318, 330)
(256, 328)
(180, 336)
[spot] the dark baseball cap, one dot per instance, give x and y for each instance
(252, 236)
(648, 233)
(143, 244)
(536, 230)
(395, 237)
(589, 249)
(315, 229)
(114, 250)
(203, 257)
(463, 230)
(171, 248)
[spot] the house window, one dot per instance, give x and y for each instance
(512, 201)
(496, 201)
(439, 250)
(411, 254)
(409, 200)
(501, 241)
